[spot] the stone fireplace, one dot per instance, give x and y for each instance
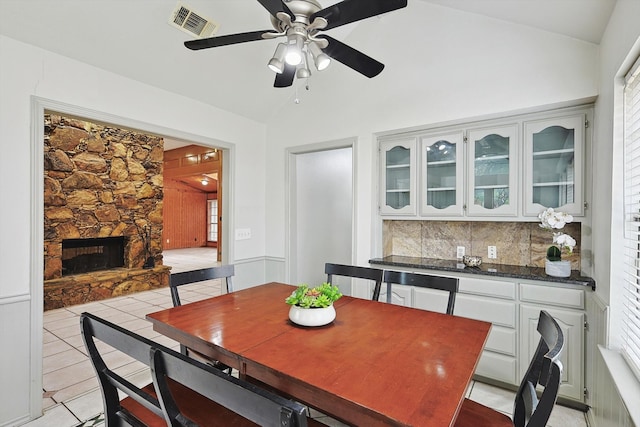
(103, 194)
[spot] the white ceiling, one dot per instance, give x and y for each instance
(132, 38)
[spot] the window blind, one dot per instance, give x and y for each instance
(631, 291)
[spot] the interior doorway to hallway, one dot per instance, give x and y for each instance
(321, 211)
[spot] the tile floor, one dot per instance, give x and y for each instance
(71, 396)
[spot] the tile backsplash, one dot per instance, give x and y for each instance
(517, 243)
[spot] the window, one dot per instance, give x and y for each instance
(213, 221)
(631, 297)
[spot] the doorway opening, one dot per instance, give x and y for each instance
(320, 210)
(193, 197)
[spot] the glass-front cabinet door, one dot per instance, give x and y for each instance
(398, 177)
(492, 171)
(554, 165)
(441, 178)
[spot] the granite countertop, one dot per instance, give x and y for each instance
(495, 270)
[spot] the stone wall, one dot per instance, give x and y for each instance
(101, 181)
(517, 243)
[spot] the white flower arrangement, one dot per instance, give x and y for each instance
(552, 220)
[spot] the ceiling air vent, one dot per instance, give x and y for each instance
(192, 22)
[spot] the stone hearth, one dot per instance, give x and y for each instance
(101, 181)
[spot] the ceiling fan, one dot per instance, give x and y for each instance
(300, 21)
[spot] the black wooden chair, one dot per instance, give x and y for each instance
(448, 284)
(189, 277)
(253, 403)
(369, 273)
(140, 406)
(545, 370)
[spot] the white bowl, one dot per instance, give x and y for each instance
(318, 316)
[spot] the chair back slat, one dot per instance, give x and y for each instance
(251, 402)
(448, 284)
(187, 277)
(368, 273)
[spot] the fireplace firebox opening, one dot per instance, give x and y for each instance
(92, 254)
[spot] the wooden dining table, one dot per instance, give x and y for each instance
(376, 364)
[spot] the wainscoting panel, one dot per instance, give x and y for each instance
(607, 406)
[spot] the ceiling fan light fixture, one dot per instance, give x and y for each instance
(294, 50)
(277, 62)
(320, 58)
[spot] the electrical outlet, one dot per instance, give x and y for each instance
(492, 252)
(243, 233)
(459, 252)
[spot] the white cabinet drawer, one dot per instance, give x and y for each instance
(492, 288)
(498, 367)
(430, 299)
(502, 340)
(498, 312)
(563, 297)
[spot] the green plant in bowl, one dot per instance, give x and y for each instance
(319, 297)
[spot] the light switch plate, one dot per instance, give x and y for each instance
(243, 233)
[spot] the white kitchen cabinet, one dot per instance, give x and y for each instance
(492, 181)
(400, 295)
(442, 174)
(554, 164)
(474, 300)
(572, 357)
(512, 167)
(398, 177)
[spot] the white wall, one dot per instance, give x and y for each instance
(617, 48)
(477, 66)
(26, 71)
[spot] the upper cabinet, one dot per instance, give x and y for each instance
(492, 170)
(398, 195)
(515, 167)
(554, 164)
(441, 177)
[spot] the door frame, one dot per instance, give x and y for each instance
(290, 196)
(39, 107)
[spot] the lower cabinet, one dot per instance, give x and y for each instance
(499, 358)
(572, 357)
(513, 310)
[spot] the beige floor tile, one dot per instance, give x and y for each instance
(55, 347)
(493, 397)
(86, 406)
(62, 360)
(76, 390)
(58, 416)
(48, 337)
(57, 314)
(65, 323)
(65, 377)
(562, 416)
(92, 307)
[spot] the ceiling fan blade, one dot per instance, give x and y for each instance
(275, 6)
(226, 40)
(285, 79)
(352, 58)
(348, 11)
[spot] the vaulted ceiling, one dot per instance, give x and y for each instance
(133, 38)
